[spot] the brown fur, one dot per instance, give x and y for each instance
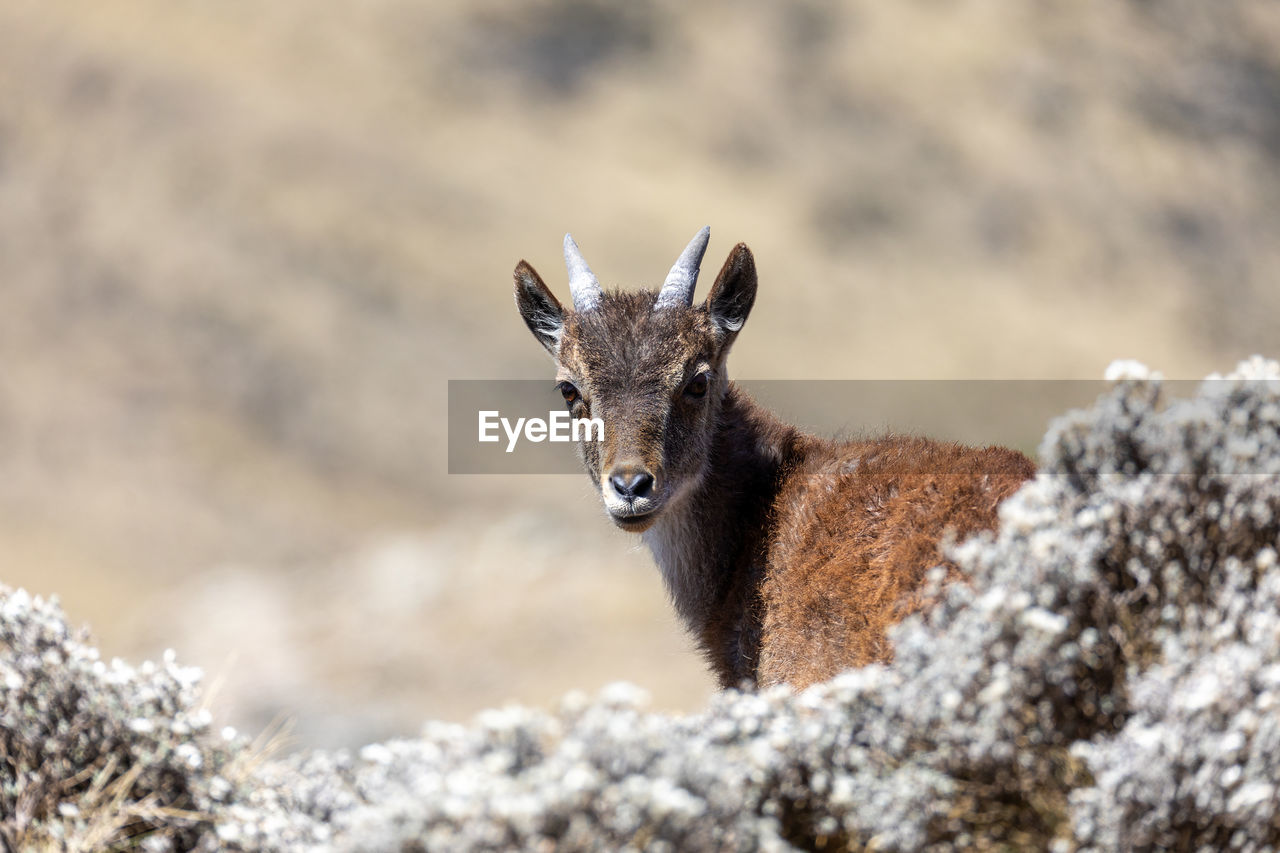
(787, 556)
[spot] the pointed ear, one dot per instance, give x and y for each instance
(540, 309)
(734, 292)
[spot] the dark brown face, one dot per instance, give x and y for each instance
(655, 377)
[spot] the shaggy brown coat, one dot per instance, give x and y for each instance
(786, 555)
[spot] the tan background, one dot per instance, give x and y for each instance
(244, 245)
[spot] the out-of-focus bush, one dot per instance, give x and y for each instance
(94, 752)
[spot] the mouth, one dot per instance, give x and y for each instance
(635, 522)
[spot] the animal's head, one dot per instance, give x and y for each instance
(650, 365)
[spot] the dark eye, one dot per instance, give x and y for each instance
(569, 392)
(697, 386)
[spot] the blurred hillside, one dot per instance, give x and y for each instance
(245, 246)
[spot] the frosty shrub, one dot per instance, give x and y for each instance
(93, 753)
(1110, 680)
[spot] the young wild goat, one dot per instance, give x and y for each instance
(786, 555)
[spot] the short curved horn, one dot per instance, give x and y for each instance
(583, 284)
(677, 290)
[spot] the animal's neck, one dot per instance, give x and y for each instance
(708, 545)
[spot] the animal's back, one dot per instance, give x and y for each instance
(857, 527)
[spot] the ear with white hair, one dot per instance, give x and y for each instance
(542, 312)
(734, 292)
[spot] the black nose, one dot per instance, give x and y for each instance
(630, 483)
